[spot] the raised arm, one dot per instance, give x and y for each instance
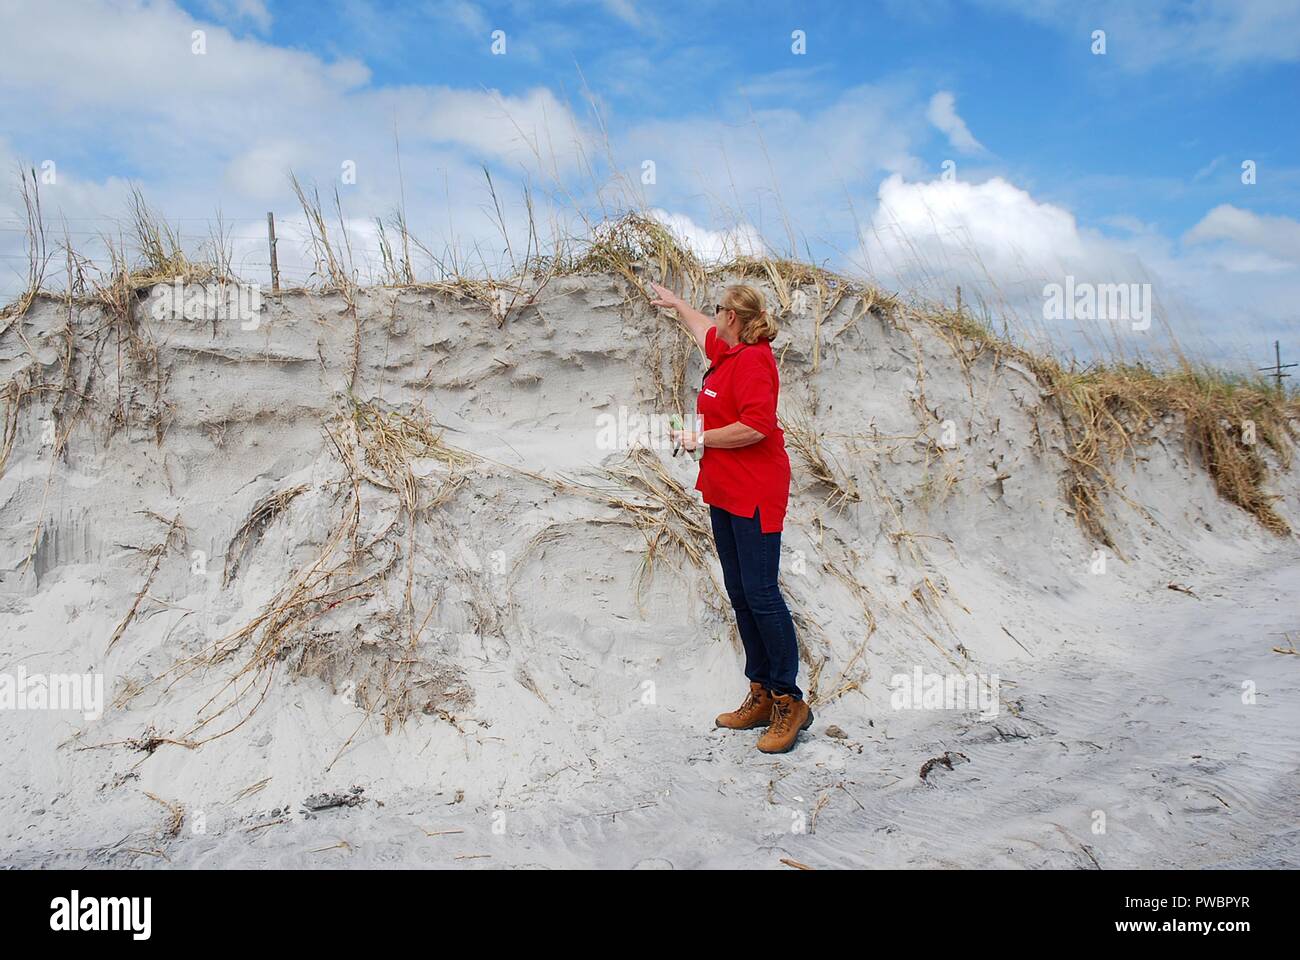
(697, 323)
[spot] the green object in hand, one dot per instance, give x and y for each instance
(675, 422)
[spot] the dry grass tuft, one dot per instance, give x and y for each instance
(335, 617)
(1109, 412)
(635, 245)
(670, 517)
(802, 434)
(175, 816)
(160, 249)
(38, 256)
(391, 440)
(250, 531)
(175, 536)
(334, 266)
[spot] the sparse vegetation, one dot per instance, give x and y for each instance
(1234, 427)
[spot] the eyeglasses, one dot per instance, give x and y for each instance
(718, 308)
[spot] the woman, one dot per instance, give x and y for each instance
(745, 480)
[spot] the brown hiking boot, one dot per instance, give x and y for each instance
(756, 711)
(789, 716)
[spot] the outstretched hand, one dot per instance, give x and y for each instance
(667, 299)
(695, 322)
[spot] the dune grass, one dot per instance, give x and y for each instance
(1234, 427)
(1107, 409)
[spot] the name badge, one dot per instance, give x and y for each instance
(709, 393)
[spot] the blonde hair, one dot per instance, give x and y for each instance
(751, 310)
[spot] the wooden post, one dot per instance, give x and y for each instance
(275, 264)
(1278, 366)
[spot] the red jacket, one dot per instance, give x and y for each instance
(742, 385)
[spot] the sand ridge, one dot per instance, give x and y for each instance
(445, 598)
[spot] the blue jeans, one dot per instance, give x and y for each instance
(751, 561)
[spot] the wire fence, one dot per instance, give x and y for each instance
(295, 264)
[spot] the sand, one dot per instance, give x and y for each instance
(558, 696)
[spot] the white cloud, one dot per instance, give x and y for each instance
(1274, 241)
(103, 68)
(224, 128)
(1223, 293)
(787, 84)
(1208, 169)
(92, 79)
(942, 112)
(1139, 36)
(924, 231)
(711, 246)
(779, 165)
(260, 172)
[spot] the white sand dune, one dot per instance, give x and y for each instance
(551, 700)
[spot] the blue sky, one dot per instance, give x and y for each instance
(1121, 167)
(1089, 129)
